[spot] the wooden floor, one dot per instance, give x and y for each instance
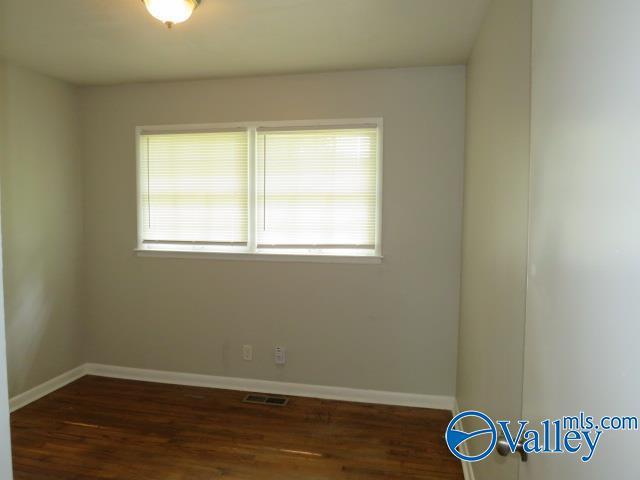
(100, 428)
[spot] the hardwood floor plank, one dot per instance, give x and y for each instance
(103, 428)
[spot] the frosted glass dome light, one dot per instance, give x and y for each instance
(170, 12)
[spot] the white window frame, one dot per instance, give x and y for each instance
(251, 252)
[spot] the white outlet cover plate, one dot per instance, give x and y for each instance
(247, 352)
(280, 356)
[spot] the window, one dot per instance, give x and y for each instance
(292, 189)
(194, 188)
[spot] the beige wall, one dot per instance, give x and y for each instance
(41, 228)
(495, 222)
(389, 327)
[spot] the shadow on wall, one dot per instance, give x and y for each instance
(28, 311)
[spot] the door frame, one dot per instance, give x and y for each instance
(6, 470)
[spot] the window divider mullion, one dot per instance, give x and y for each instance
(252, 190)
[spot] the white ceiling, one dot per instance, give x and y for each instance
(114, 41)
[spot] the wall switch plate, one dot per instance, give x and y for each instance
(247, 352)
(280, 356)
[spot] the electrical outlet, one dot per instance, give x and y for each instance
(280, 356)
(247, 352)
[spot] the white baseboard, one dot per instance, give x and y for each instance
(467, 467)
(232, 383)
(46, 388)
(279, 388)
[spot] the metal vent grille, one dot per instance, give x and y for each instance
(266, 400)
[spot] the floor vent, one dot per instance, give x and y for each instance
(266, 400)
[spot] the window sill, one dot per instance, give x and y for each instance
(263, 257)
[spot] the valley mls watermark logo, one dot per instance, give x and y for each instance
(566, 435)
(456, 437)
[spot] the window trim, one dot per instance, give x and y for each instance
(251, 252)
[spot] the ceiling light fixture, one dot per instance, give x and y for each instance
(171, 12)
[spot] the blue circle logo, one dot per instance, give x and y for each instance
(456, 436)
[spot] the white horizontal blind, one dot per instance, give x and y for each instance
(194, 187)
(317, 188)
